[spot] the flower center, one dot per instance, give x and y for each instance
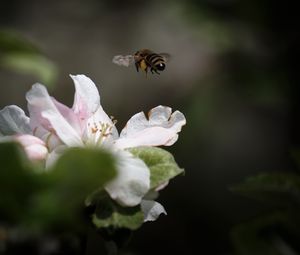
(99, 131)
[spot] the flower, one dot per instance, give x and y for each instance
(57, 127)
(14, 126)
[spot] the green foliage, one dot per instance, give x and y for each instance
(19, 54)
(52, 200)
(18, 182)
(109, 214)
(161, 163)
(266, 235)
(76, 174)
(276, 188)
(11, 42)
(263, 235)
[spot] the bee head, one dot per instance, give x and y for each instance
(160, 66)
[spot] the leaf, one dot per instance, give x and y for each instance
(161, 163)
(11, 41)
(279, 188)
(295, 155)
(266, 235)
(77, 173)
(34, 64)
(18, 182)
(19, 54)
(109, 214)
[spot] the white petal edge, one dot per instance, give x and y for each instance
(39, 99)
(132, 181)
(87, 98)
(13, 121)
(161, 128)
(154, 136)
(152, 210)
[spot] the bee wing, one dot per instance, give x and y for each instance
(123, 60)
(166, 56)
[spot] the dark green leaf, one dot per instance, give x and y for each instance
(109, 214)
(77, 173)
(295, 153)
(34, 64)
(18, 181)
(266, 235)
(19, 54)
(278, 188)
(161, 163)
(12, 42)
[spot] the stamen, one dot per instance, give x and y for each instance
(101, 131)
(94, 130)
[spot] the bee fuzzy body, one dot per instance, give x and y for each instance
(145, 60)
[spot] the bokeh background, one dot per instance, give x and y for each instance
(233, 73)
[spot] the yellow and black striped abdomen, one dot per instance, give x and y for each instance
(155, 61)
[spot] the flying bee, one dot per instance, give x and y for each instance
(144, 59)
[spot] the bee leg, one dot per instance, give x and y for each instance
(146, 71)
(137, 67)
(156, 71)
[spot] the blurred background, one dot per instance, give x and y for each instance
(233, 73)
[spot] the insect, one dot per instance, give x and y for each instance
(144, 59)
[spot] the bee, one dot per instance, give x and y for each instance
(144, 59)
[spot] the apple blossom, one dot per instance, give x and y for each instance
(14, 126)
(58, 127)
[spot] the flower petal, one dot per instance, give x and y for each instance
(152, 210)
(34, 147)
(54, 155)
(13, 121)
(87, 98)
(132, 181)
(161, 128)
(69, 115)
(100, 119)
(44, 112)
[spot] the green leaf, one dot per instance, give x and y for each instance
(19, 54)
(109, 214)
(34, 64)
(295, 154)
(77, 173)
(11, 41)
(278, 188)
(18, 182)
(161, 163)
(264, 235)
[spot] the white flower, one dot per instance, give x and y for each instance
(86, 124)
(14, 126)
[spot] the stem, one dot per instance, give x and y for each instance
(111, 247)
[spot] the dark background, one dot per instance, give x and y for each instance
(233, 73)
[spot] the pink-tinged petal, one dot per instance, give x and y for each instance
(36, 152)
(132, 181)
(54, 155)
(34, 147)
(52, 140)
(69, 115)
(152, 210)
(160, 129)
(14, 121)
(87, 98)
(43, 112)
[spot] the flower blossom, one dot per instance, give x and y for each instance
(52, 127)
